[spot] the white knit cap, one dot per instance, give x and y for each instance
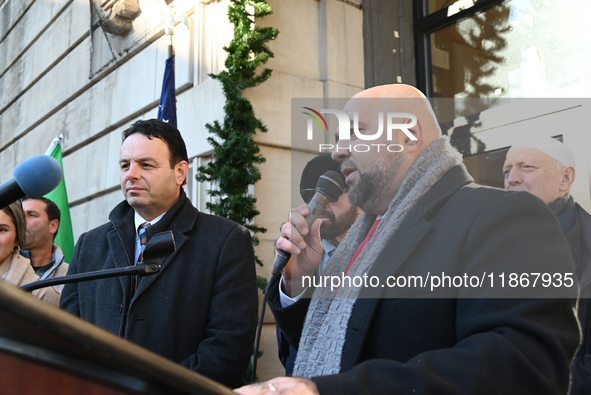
(551, 147)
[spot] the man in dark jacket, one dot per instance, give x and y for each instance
(337, 218)
(546, 168)
(443, 299)
(200, 309)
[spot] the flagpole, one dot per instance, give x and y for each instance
(169, 30)
(167, 103)
(56, 141)
(169, 18)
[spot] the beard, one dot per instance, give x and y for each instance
(338, 226)
(374, 183)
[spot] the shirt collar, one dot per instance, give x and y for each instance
(138, 220)
(328, 246)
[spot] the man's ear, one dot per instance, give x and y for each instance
(568, 177)
(53, 226)
(182, 171)
(417, 132)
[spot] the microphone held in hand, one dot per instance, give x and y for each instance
(328, 189)
(34, 178)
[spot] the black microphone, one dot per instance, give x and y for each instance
(34, 178)
(328, 189)
(158, 248)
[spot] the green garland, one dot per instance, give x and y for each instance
(236, 154)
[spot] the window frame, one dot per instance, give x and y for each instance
(425, 24)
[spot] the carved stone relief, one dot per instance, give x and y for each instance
(117, 15)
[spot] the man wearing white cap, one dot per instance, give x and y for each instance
(546, 168)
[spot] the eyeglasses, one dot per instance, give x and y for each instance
(308, 194)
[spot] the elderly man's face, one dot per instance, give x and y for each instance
(527, 169)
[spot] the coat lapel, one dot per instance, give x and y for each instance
(180, 219)
(120, 251)
(417, 223)
(121, 240)
(145, 282)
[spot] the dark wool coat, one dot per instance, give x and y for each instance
(479, 341)
(200, 310)
(579, 240)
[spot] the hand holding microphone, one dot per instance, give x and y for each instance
(329, 188)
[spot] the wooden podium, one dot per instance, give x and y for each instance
(44, 350)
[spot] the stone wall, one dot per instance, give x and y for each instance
(61, 72)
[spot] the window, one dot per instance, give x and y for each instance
(475, 55)
(512, 48)
(197, 191)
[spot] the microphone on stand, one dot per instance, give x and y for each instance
(158, 248)
(34, 178)
(329, 188)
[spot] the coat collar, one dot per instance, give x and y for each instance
(180, 219)
(456, 178)
(122, 213)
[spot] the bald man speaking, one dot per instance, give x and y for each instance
(423, 217)
(546, 168)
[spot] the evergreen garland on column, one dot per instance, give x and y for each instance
(236, 154)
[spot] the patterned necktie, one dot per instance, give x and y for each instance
(143, 240)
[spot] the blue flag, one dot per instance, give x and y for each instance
(167, 106)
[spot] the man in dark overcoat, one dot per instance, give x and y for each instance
(546, 167)
(200, 309)
(432, 290)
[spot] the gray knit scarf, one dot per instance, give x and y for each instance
(323, 335)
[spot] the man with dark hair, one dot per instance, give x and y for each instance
(43, 221)
(200, 308)
(337, 218)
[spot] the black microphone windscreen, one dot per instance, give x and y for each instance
(331, 185)
(38, 175)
